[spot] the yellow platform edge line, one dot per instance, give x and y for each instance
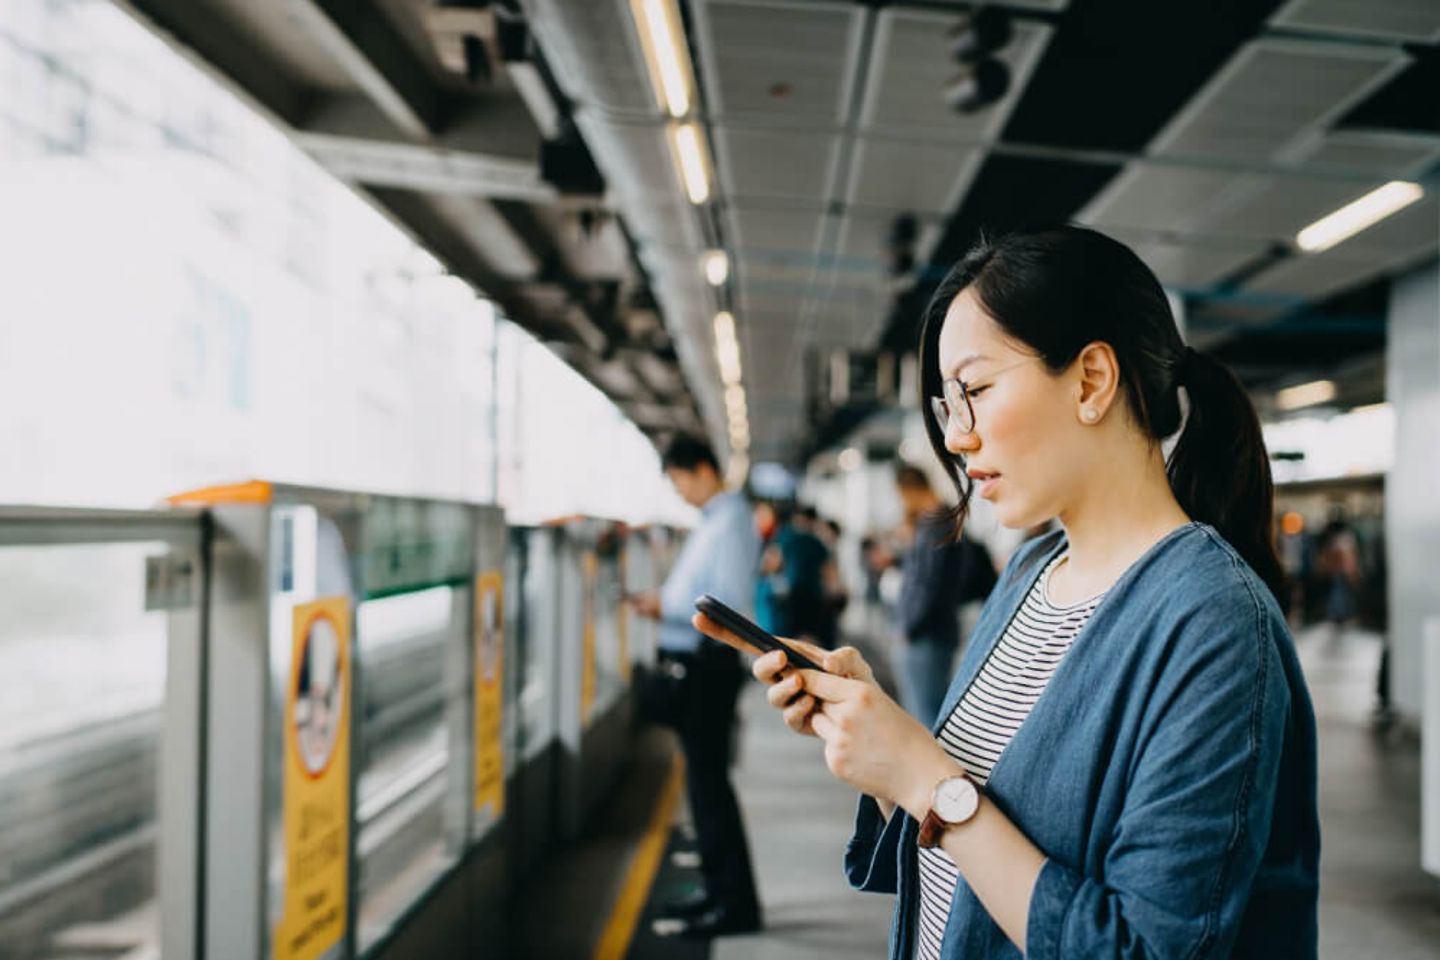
(620, 929)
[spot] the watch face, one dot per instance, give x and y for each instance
(956, 800)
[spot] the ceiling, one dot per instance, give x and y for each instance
(1205, 135)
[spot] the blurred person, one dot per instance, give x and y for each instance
(1338, 565)
(795, 563)
(719, 558)
(938, 573)
(770, 585)
(835, 597)
(1125, 763)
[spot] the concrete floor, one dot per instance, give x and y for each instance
(1375, 900)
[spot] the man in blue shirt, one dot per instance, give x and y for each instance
(719, 558)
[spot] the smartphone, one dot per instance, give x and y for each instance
(750, 632)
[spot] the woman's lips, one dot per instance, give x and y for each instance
(986, 481)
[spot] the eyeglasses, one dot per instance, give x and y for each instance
(954, 407)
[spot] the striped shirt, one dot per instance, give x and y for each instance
(987, 716)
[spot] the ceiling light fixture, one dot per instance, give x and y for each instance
(735, 399)
(666, 54)
(717, 268)
(690, 156)
(1305, 395)
(1358, 215)
(724, 325)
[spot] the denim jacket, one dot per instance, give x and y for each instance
(1167, 773)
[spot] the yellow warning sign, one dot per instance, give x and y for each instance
(489, 692)
(588, 567)
(316, 782)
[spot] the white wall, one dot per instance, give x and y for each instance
(1412, 514)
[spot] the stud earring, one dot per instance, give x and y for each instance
(1090, 415)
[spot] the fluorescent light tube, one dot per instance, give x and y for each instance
(1358, 215)
(717, 268)
(666, 54)
(690, 155)
(1305, 395)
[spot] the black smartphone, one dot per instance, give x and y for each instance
(751, 633)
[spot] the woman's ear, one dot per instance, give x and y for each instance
(1099, 374)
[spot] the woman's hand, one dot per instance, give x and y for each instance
(873, 744)
(787, 685)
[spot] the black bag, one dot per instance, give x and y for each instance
(662, 691)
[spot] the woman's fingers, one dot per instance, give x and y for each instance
(847, 662)
(784, 690)
(770, 667)
(714, 631)
(832, 689)
(823, 725)
(797, 715)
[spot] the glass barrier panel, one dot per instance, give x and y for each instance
(610, 672)
(82, 696)
(415, 725)
(537, 675)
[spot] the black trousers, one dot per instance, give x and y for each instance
(714, 677)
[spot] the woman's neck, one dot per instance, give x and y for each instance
(1111, 525)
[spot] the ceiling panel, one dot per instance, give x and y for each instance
(1317, 276)
(1379, 152)
(777, 60)
(1415, 20)
(1157, 197)
(913, 176)
(771, 228)
(911, 66)
(767, 163)
(1273, 91)
(1185, 266)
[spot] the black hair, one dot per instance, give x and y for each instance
(688, 452)
(1058, 289)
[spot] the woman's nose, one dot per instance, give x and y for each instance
(960, 441)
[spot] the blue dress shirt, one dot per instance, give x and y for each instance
(719, 558)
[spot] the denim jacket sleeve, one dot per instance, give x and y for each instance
(1176, 873)
(871, 857)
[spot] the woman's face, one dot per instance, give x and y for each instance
(1026, 445)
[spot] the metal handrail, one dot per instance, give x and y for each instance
(47, 526)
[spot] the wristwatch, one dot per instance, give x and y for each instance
(954, 801)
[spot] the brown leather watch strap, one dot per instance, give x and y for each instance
(930, 830)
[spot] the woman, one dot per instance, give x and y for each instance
(1124, 765)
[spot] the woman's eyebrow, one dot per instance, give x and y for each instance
(960, 367)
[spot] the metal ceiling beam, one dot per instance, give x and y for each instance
(428, 169)
(369, 48)
(196, 33)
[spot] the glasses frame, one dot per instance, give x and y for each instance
(954, 391)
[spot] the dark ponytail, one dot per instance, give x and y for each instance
(1060, 289)
(1219, 469)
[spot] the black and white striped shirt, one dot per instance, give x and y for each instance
(987, 716)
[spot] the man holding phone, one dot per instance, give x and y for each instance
(719, 558)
